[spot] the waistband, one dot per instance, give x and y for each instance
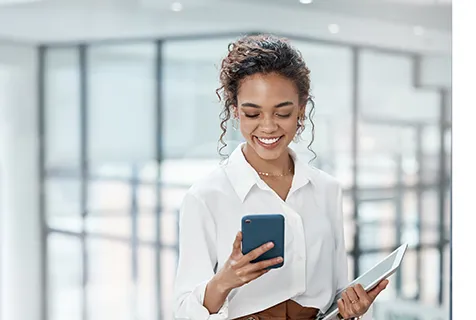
(286, 310)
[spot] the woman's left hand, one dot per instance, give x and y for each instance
(355, 301)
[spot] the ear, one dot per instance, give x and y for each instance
(302, 111)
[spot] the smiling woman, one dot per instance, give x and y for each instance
(265, 86)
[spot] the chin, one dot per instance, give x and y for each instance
(267, 155)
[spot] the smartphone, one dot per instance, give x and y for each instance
(258, 229)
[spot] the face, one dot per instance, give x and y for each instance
(268, 110)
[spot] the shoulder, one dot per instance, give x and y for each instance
(322, 178)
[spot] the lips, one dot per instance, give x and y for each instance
(268, 143)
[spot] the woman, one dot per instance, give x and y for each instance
(266, 88)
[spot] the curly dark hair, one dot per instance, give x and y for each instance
(262, 54)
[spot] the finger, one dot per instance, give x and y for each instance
(253, 275)
(342, 311)
(353, 297)
(364, 297)
(263, 264)
(349, 306)
(236, 253)
(237, 243)
(379, 288)
(257, 252)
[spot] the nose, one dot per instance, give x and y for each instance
(268, 125)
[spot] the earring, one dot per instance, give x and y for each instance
(301, 125)
(299, 130)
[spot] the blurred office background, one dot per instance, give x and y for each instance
(108, 114)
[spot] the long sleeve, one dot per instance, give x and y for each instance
(197, 260)
(341, 253)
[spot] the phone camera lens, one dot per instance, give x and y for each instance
(247, 221)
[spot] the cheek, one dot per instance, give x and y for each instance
(247, 126)
(290, 125)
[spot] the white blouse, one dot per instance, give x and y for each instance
(315, 260)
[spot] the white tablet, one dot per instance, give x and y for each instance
(370, 279)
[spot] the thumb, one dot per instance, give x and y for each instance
(379, 288)
(237, 243)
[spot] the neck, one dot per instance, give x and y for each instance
(277, 166)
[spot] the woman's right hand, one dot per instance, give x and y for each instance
(238, 269)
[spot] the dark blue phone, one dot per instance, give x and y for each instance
(258, 229)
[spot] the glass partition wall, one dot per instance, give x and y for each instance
(127, 127)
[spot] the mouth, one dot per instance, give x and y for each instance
(268, 143)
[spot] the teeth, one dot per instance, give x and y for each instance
(268, 141)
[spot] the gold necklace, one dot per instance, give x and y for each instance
(275, 175)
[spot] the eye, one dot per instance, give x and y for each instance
(284, 115)
(251, 115)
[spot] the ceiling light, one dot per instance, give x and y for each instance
(418, 30)
(333, 28)
(305, 1)
(176, 6)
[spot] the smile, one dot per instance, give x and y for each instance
(268, 142)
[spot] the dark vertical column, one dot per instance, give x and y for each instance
(355, 149)
(83, 105)
(159, 157)
(442, 191)
(42, 51)
(399, 215)
(419, 196)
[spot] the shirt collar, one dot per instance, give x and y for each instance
(243, 177)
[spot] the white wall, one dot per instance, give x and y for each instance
(19, 217)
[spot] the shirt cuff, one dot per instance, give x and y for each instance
(193, 308)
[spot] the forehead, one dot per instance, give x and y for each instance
(270, 88)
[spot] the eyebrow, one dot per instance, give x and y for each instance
(253, 105)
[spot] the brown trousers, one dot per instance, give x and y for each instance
(287, 310)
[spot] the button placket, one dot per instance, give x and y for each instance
(299, 267)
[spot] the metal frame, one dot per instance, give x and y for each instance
(207, 36)
(85, 177)
(399, 215)
(355, 157)
(442, 190)
(83, 107)
(444, 181)
(41, 78)
(419, 155)
(159, 157)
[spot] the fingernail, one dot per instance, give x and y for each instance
(279, 259)
(270, 244)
